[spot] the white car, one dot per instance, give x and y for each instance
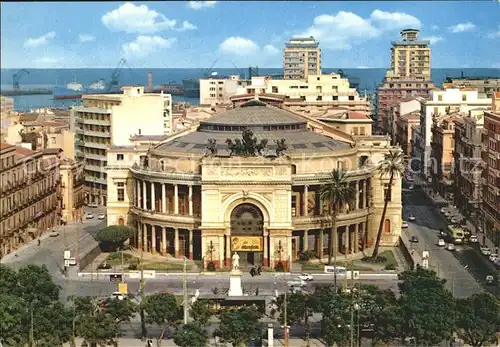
(404, 224)
(441, 243)
(305, 277)
(411, 187)
(454, 220)
(101, 216)
(447, 214)
(118, 295)
(72, 261)
(485, 250)
(443, 210)
(450, 247)
(493, 257)
(473, 239)
(412, 218)
(89, 215)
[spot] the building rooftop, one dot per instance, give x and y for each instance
(266, 122)
(5, 145)
(23, 152)
(148, 137)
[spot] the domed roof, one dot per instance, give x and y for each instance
(266, 122)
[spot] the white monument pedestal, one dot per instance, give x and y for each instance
(235, 288)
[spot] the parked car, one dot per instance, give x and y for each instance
(412, 218)
(473, 238)
(404, 224)
(485, 250)
(305, 277)
(441, 243)
(414, 239)
(454, 220)
(493, 257)
(411, 187)
(450, 247)
(72, 261)
(490, 279)
(89, 215)
(101, 216)
(54, 234)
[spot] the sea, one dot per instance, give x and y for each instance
(369, 79)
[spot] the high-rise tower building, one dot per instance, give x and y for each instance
(411, 57)
(301, 58)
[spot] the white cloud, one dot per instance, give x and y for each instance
(86, 37)
(198, 5)
(238, 45)
(47, 60)
(39, 41)
(435, 27)
(495, 34)
(340, 30)
(270, 50)
(394, 20)
(362, 67)
(136, 19)
(433, 39)
(143, 46)
(462, 27)
(187, 26)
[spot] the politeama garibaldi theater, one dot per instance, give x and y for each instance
(189, 196)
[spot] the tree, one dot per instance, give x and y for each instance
(239, 326)
(8, 280)
(162, 309)
(202, 311)
(478, 319)
(425, 307)
(299, 308)
(337, 192)
(35, 285)
(115, 234)
(191, 334)
(12, 320)
(394, 167)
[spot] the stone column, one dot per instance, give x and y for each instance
(221, 251)
(190, 200)
(191, 244)
(228, 249)
(321, 242)
(176, 243)
(306, 200)
(266, 249)
(143, 195)
(357, 195)
(139, 235)
(176, 199)
(153, 239)
(145, 237)
(163, 198)
(153, 198)
(356, 237)
(136, 193)
(306, 241)
(164, 241)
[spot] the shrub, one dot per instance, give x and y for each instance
(104, 266)
(379, 259)
(390, 267)
(132, 267)
(280, 267)
(307, 255)
(211, 267)
(118, 256)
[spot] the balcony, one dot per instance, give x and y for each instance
(322, 221)
(97, 180)
(95, 157)
(97, 122)
(95, 168)
(96, 145)
(83, 109)
(104, 134)
(181, 220)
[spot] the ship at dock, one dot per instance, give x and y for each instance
(191, 88)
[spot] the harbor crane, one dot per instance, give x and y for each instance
(17, 77)
(114, 84)
(209, 70)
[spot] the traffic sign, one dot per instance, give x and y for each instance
(67, 254)
(66, 263)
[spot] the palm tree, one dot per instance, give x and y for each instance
(393, 166)
(337, 192)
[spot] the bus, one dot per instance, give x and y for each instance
(457, 233)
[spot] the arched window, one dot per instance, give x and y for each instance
(294, 169)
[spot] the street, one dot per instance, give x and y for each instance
(464, 267)
(50, 251)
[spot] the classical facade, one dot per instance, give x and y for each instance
(29, 195)
(189, 198)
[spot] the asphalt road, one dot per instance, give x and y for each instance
(464, 269)
(51, 249)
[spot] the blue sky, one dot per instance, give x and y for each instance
(196, 33)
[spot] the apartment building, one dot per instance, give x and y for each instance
(491, 175)
(314, 94)
(441, 103)
(6, 105)
(405, 126)
(406, 106)
(105, 120)
(301, 58)
(218, 90)
(442, 147)
(29, 195)
(72, 192)
(411, 57)
(48, 135)
(485, 86)
(468, 165)
(408, 76)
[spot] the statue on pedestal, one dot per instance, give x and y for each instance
(236, 261)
